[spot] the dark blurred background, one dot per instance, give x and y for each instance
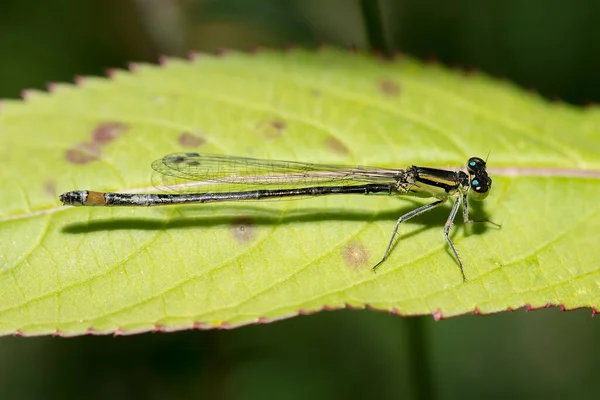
(551, 46)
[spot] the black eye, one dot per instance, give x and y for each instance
(475, 164)
(480, 187)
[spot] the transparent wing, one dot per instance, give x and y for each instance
(193, 172)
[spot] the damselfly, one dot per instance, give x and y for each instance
(207, 178)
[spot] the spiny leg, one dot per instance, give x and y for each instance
(447, 227)
(403, 218)
(466, 214)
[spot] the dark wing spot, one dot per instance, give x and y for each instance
(175, 159)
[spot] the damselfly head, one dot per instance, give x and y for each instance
(480, 182)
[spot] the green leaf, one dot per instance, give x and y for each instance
(102, 270)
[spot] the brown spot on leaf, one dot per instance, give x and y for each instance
(82, 153)
(337, 146)
(106, 132)
(188, 139)
(103, 134)
(25, 94)
(272, 129)
(277, 124)
(355, 255)
(243, 229)
(50, 187)
(389, 88)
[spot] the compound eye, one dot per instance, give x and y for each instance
(480, 188)
(475, 164)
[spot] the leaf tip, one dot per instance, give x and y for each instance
(464, 70)
(197, 326)
(111, 73)
(530, 307)
(51, 87)
(164, 60)
(118, 332)
(256, 48)
(79, 80)
(394, 310)
(437, 315)
(218, 324)
(290, 47)
(382, 56)
(132, 67)
(222, 52)
(26, 94)
(321, 46)
(432, 60)
(352, 307)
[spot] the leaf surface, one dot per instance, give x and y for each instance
(74, 270)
